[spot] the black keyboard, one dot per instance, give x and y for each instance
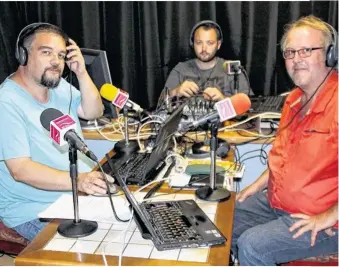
(133, 170)
(170, 222)
(267, 104)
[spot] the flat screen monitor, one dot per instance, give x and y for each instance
(98, 69)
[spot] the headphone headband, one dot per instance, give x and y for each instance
(201, 23)
(21, 53)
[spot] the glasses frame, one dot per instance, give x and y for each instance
(301, 49)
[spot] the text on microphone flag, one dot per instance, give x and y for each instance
(225, 109)
(59, 126)
(120, 99)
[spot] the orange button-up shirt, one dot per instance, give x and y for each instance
(303, 161)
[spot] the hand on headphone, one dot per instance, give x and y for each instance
(74, 59)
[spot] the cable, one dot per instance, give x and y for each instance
(109, 193)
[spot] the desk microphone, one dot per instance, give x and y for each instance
(120, 99)
(62, 130)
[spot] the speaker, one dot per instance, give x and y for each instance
(199, 153)
(332, 50)
(202, 23)
(21, 53)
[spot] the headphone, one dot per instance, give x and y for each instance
(199, 153)
(21, 53)
(332, 50)
(203, 23)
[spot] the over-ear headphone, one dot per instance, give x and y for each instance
(199, 153)
(332, 50)
(202, 23)
(21, 53)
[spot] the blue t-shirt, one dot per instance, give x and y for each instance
(22, 135)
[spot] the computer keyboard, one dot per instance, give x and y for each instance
(267, 104)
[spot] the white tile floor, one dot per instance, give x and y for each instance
(109, 237)
(6, 261)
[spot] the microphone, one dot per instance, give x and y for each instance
(62, 130)
(227, 109)
(118, 97)
(232, 67)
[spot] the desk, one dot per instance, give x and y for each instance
(34, 254)
(231, 137)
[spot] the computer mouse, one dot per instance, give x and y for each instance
(204, 192)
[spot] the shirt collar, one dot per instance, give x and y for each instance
(320, 103)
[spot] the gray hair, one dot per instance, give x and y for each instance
(311, 22)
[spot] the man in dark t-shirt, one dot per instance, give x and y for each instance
(205, 74)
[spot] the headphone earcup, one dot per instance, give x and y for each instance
(331, 57)
(22, 55)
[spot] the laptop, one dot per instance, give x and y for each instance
(141, 168)
(172, 224)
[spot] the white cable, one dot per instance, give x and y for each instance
(138, 135)
(242, 122)
(181, 167)
(249, 132)
(124, 232)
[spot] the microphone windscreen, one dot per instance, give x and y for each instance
(241, 103)
(48, 115)
(109, 91)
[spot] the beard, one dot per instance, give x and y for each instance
(50, 82)
(207, 57)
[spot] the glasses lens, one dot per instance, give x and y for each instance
(289, 53)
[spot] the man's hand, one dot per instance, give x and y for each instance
(322, 221)
(212, 93)
(74, 59)
(187, 89)
(93, 182)
(247, 192)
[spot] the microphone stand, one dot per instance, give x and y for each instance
(211, 192)
(75, 228)
(126, 146)
(236, 80)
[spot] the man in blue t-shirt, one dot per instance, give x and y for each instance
(34, 172)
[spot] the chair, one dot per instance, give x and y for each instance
(328, 260)
(10, 241)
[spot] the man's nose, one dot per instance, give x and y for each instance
(55, 60)
(297, 58)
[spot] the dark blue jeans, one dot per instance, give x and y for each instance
(30, 229)
(261, 235)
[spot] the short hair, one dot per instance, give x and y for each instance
(208, 26)
(310, 21)
(48, 28)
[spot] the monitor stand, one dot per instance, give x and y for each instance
(90, 125)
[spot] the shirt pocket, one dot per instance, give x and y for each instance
(318, 144)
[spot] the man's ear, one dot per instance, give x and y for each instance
(219, 44)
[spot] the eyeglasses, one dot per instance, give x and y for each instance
(303, 52)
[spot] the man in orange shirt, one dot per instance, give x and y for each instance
(297, 217)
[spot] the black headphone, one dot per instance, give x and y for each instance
(199, 153)
(202, 23)
(332, 50)
(21, 53)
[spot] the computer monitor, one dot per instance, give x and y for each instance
(98, 69)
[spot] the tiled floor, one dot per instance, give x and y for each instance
(109, 239)
(6, 261)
